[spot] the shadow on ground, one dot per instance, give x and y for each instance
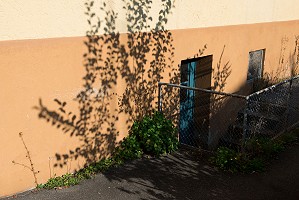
(187, 175)
(175, 176)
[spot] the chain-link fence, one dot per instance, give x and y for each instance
(207, 119)
(273, 110)
(201, 116)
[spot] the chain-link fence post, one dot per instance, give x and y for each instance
(159, 97)
(245, 127)
(289, 96)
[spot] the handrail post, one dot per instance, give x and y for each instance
(289, 96)
(159, 97)
(245, 127)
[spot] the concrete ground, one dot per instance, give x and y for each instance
(184, 175)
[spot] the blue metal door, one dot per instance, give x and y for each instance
(195, 105)
(187, 103)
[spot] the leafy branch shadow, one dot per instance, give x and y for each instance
(138, 57)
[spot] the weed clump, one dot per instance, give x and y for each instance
(257, 152)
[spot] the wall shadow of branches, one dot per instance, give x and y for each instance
(288, 66)
(220, 76)
(140, 60)
(94, 125)
(151, 48)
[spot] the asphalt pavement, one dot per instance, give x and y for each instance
(183, 175)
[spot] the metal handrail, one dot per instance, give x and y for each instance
(273, 86)
(203, 90)
(251, 107)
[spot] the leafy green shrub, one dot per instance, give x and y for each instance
(290, 137)
(228, 159)
(129, 149)
(254, 164)
(86, 173)
(155, 135)
(264, 147)
(105, 164)
(257, 152)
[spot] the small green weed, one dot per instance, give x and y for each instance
(61, 181)
(228, 159)
(290, 137)
(258, 151)
(264, 147)
(254, 165)
(88, 172)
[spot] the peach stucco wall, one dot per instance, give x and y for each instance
(238, 42)
(31, 70)
(53, 68)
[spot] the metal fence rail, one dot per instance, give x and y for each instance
(206, 118)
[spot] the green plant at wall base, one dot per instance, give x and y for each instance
(65, 180)
(155, 134)
(105, 164)
(129, 149)
(290, 137)
(228, 159)
(265, 147)
(258, 151)
(254, 165)
(87, 172)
